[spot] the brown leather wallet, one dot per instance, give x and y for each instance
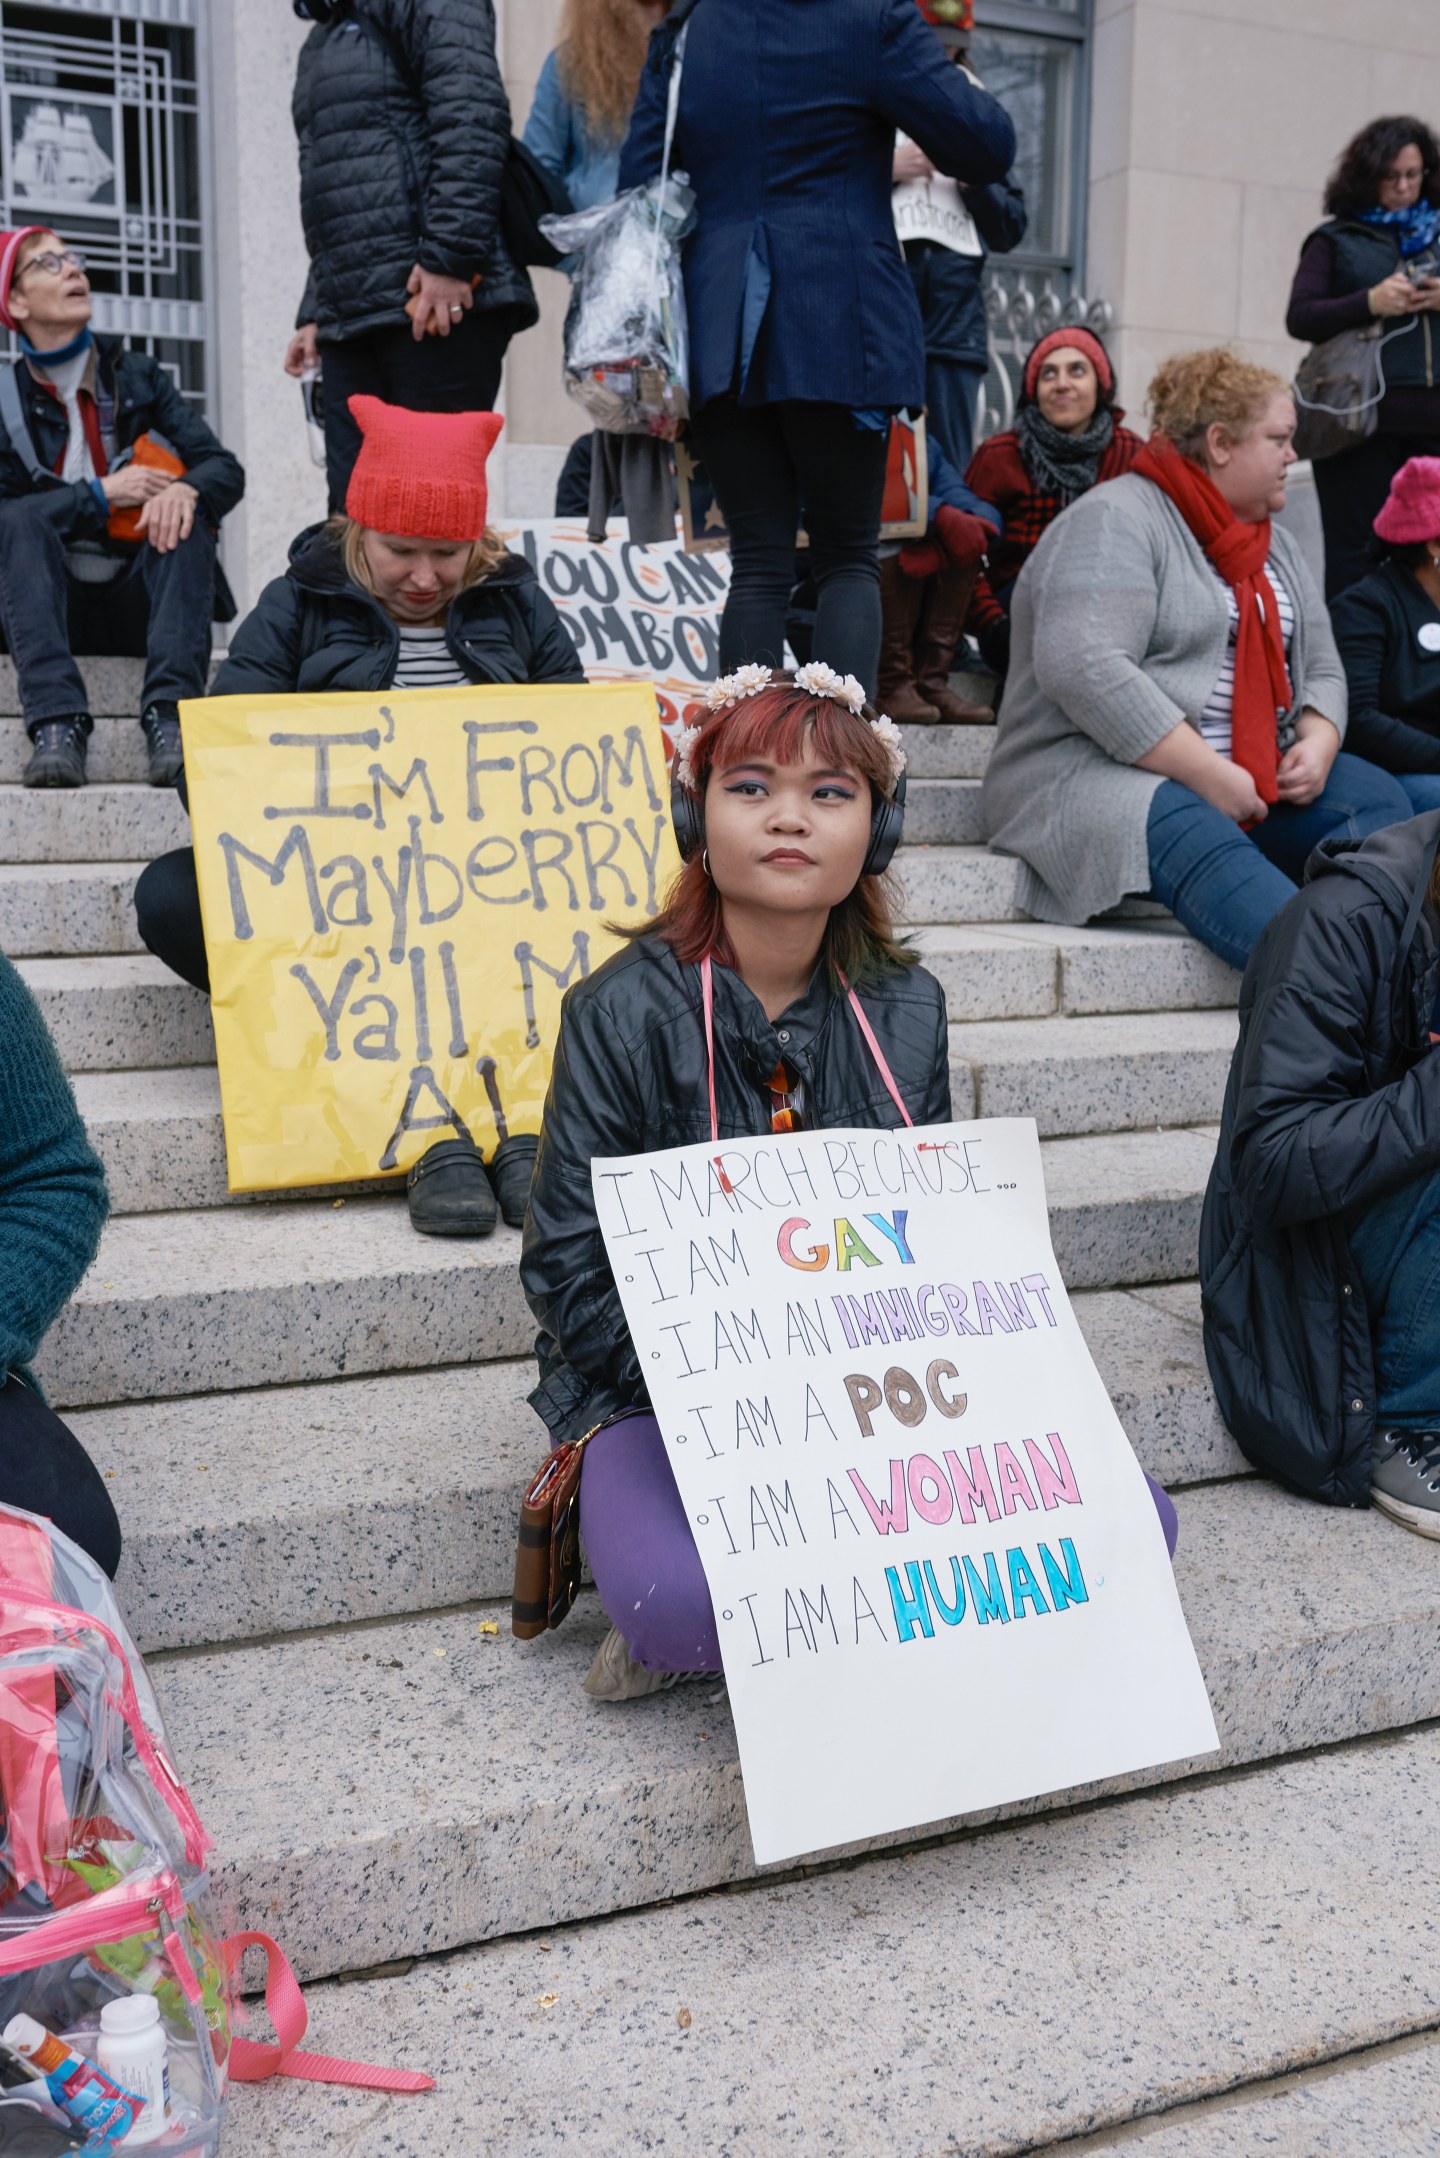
(547, 1550)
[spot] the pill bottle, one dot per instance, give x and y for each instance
(132, 2049)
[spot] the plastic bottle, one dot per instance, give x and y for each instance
(132, 2049)
(86, 2093)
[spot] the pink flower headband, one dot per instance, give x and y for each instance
(818, 679)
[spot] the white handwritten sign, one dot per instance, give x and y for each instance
(940, 1580)
(636, 613)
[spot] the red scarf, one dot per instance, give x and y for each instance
(1239, 553)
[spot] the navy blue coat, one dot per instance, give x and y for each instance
(794, 278)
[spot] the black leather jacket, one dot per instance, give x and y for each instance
(629, 1078)
(404, 131)
(1333, 1101)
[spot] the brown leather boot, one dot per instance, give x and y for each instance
(942, 624)
(895, 691)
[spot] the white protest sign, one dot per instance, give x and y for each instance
(636, 613)
(939, 1576)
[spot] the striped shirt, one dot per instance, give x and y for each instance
(1215, 719)
(426, 662)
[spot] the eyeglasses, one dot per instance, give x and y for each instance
(1405, 174)
(52, 264)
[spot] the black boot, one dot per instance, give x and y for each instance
(510, 1172)
(161, 723)
(59, 759)
(449, 1192)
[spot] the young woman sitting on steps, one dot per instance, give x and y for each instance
(788, 806)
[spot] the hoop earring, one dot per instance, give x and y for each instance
(705, 860)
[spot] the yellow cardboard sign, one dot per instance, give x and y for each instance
(397, 888)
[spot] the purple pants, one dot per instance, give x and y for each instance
(643, 1555)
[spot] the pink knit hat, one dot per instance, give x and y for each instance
(1412, 509)
(10, 245)
(1083, 341)
(421, 474)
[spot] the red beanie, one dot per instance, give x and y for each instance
(10, 245)
(1083, 341)
(421, 474)
(1412, 510)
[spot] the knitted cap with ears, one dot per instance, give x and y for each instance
(1411, 512)
(421, 475)
(10, 246)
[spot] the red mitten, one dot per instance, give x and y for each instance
(922, 558)
(966, 539)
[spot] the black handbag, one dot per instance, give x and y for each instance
(528, 192)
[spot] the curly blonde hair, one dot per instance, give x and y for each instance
(1199, 390)
(600, 53)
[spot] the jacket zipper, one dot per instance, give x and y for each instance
(111, 1916)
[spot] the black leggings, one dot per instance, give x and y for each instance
(458, 373)
(45, 1469)
(1352, 489)
(774, 467)
(167, 914)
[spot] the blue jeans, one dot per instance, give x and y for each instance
(1396, 1248)
(1223, 884)
(1422, 790)
(159, 608)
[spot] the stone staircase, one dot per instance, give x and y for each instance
(315, 1426)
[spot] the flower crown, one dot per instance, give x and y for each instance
(817, 678)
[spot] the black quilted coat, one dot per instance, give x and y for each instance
(629, 1078)
(404, 130)
(1333, 1102)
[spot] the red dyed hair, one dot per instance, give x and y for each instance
(778, 723)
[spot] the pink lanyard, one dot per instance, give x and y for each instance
(707, 990)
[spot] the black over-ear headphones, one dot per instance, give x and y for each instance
(887, 823)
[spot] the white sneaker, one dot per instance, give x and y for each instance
(616, 1676)
(1405, 1479)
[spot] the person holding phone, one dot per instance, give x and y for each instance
(112, 489)
(1375, 260)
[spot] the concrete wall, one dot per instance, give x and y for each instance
(260, 275)
(1214, 125)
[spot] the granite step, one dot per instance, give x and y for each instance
(1031, 970)
(1183, 1946)
(1109, 1074)
(60, 909)
(117, 747)
(52, 909)
(121, 1012)
(127, 1012)
(943, 812)
(160, 1135)
(264, 1295)
(124, 823)
(270, 1511)
(420, 1784)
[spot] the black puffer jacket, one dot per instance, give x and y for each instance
(313, 630)
(629, 1078)
(404, 131)
(1333, 1101)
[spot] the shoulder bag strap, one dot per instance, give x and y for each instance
(17, 426)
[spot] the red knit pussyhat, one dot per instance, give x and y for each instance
(1082, 341)
(1411, 514)
(421, 475)
(10, 246)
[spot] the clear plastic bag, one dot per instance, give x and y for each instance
(103, 1888)
(627, 358)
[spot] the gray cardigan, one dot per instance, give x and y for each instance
(1119, 630)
